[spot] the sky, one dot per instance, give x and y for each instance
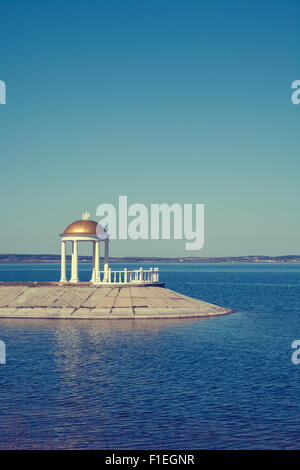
(164, 101)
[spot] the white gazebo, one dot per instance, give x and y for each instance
(86, 230)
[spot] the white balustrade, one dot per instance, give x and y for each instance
(126, 276)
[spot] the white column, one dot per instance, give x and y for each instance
(93, 265)
(97, 266)
(106, 260)
(63, 275)
(106, 255)
(74, 269)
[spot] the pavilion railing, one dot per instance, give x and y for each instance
(127, 276)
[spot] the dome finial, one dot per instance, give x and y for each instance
(86, 216)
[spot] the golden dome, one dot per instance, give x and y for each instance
(84, 227)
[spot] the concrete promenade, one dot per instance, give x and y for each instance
(85, 301)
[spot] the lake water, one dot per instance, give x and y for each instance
(211, 383)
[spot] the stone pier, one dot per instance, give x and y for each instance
(85, 301)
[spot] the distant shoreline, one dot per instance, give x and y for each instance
(46, 258)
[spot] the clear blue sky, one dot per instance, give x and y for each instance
(182, 101)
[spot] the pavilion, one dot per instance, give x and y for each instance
(86, 230)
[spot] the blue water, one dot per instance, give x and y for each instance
(214, 383)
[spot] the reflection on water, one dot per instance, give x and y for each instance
(76, 371)
(225, 382)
